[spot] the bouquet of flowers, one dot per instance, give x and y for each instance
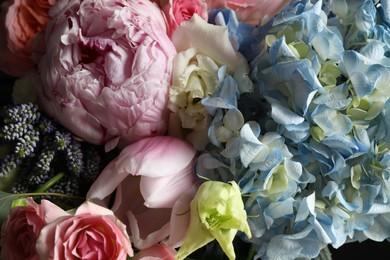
(188, 129)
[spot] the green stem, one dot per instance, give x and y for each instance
(325, 254)
(44, 187)
(251, 254)
(49, 194)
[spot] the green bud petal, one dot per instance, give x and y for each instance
(21, 201)
(217, 212)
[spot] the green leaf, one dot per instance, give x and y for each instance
(6, 200)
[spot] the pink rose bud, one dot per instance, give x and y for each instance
(20, 231)
(20, 22)
(178, 11)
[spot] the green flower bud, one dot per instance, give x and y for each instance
(217, 212)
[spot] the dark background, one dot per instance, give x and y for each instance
(365, 250)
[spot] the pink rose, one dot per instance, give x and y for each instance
(20, 231)
(250, 11)
(152, 177)
(93, 232)
(20, 21)
(178, 11)
(157, 252)
(106, 70)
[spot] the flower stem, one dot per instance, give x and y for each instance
(49, 183)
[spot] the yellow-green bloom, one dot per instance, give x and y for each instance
(217, 212)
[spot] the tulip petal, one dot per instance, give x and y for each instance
(180, 218)
(151, 237)
(153, 156)
(162, 192)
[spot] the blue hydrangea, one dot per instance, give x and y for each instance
(310, 146)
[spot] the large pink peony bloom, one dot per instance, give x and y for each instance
(93, 232)
(154, 183)
(106, 69)
(20, 22)
(250, 11)
(20, 231)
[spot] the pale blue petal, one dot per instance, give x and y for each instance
(217, 122)
(243, 36)
(283, 115)
(247, 181)
(306, 208)
(272, 159)
(251, 147)
(366, 16)
(386, 10)
(374, 50)
(304, 85)
(369, 192)
(380, 230)
(351, 206)
(345, 145)
(293, 169)
(296, 133)
(211, 168)
(279, 51)
(328, 45)
(277, 210)
(304, 244)
(356, 72)
(336, 99)
(330, 190)
(232, 149)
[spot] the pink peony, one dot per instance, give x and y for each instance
(250, 11)
(20, 22)
(92, 233)
(152, 177)
(106, 70)
(178, 11)
(20, 231)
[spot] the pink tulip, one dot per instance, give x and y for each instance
(154, 183)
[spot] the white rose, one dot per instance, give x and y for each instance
(202, 49)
